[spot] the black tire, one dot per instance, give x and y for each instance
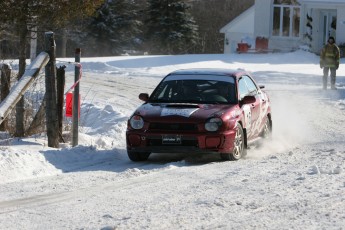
(138, 156)
(239, 147)
(267, 131)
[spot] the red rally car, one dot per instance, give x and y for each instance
(200, 111)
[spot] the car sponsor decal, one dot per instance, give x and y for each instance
(178, 112)
(262, 112)
(247, 117)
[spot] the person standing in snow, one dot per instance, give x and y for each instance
(329, 61)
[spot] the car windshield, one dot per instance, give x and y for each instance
(205, 90)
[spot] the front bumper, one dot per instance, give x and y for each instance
(180, 142)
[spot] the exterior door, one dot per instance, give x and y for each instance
(328, 25)
(252, 111)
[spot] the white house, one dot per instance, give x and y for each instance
(287, 25)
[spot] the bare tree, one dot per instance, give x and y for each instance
(211, 16)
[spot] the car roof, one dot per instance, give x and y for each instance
(209, 71)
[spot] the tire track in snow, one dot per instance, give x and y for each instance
(14, 205)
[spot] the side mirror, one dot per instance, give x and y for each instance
(261, 86)
(248, 100)
(144, 96)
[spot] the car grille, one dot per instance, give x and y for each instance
(158, 142)
(173, 126)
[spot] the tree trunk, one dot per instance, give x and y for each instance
(63, 43)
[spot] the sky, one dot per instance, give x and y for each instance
(294, 181)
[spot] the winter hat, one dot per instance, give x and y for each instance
(331, 38)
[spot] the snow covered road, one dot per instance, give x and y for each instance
(295, 181)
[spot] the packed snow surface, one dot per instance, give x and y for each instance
(294, 181)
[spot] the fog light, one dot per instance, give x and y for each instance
(134, 140)
(212, 142)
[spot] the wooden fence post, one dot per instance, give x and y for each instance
(60, 98)
(51, 103)
(5, 88)
(75, 109)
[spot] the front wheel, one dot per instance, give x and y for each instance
(239, 147)
(138, 156)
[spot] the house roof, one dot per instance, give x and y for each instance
(244, 23)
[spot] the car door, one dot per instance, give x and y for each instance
(247, 87)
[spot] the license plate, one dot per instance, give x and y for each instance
(171, 139)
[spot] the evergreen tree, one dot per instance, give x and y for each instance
(170, 27)
(26, 15)
(115, 28)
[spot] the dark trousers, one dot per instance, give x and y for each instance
(325, 75)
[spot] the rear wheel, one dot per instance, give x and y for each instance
(138, 156)
(239, 147)
(267, 131)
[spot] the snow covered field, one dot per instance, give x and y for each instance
(295, 181)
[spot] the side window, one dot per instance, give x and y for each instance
(251, 85)
(242, 88)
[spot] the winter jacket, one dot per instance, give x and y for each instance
(330, 56)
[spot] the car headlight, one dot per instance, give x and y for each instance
(136, 122)
(213, 124)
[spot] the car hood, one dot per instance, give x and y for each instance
(153, 111)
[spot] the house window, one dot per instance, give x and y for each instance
(286, 18)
